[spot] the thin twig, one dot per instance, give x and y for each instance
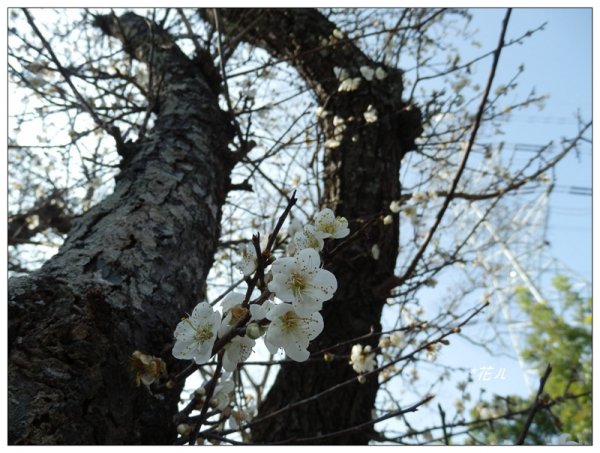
(536, 406)
(292, 201)
(243, 144)
(360, 426)
(336, 387)
(210, 390)
(444, 430)
(113, 131)
(412, 266)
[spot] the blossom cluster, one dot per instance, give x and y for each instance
(363, 358)
(348, 83)
(286, 314)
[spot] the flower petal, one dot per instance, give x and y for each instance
(316, 326)
(282, 287)
(184, 331)
(341, 228)
(231, 300)
(201, 311)
(308, 260)
(296, 351)
(184, 350)
(325, 283)
(204, 352)
(306, 304)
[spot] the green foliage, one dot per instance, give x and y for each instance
(561, 335)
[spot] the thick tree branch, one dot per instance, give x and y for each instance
(361, 179)
(129, 269)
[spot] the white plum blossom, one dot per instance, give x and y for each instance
(395, 206)
(419, 197)
(485, 412)
(380, 73)
(249, 259)
(370, 114)
(398, 339)
(231, 300)
(259, 312)
(339, 130)
(184, 429)
(367, 73)
(236, 351)
(384, 342)
(410, 212)
(432, 194)
(233, 311)
(241, 416)
(196, 335)
(375, 252)
(350, 84)
(337, 120)
(332, 143)
(338, 33)
(295, 226)
(322, 113)
(340, 73)
(362, 359)
(222, 394)
(432, 352)
(292, 331)
(308, 239)
(329, 226)
(302, 282)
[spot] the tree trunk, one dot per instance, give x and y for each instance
(130, 268)
(361, 179)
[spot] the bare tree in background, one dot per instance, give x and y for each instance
(167, 139)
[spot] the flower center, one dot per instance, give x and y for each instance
(298, 283)
(329, 228)
(203, 333)
(289, 321)
(313, 242)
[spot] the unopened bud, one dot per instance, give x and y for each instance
(200, 391)
(362, 379)
(184, 429)
(254, 331)
(328, 357)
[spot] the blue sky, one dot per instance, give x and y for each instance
(558, 62)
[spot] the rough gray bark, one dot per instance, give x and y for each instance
(361, 179)
(130, 268)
